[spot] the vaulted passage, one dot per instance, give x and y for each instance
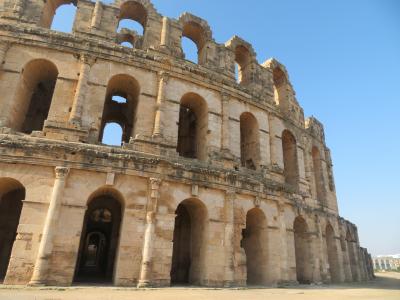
(254, 243)
(302, 251)
(12, 193)
(193, 126)
(332, 254)
(99, 241)
(189, 243)
(34, 95)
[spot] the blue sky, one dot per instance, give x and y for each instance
(343, 59)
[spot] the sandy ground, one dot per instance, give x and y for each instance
(386, 286)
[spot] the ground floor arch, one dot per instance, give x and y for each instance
(189, 243)
(12, 193)
(302, 251)
(99, 240)
(333, 256)
(254, 242)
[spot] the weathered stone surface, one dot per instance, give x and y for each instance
(218, 182)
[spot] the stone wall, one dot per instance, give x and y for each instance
(256, 192)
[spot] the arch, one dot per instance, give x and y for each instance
(100, 237)
(302, 249)
(49, 11)
(12, 193)
(280, 85)
(121, 112)
(318, 175)
(34, 95)
(291, 168)
(128, 38)
(255, 242)
(244, 57)
(249, 141)
(133, 11)
(243, 60)
(352, 257)
(189, 243)
(193, 127)
(198, 31)
(333, 255)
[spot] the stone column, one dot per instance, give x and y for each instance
(46, 244)
(284, 253)
(230, 197)
(97, 12)
(75, 117)
(158, 122)
(147, 256)
(165, 34)
(225, 136)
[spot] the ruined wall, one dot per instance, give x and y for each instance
(253, 156)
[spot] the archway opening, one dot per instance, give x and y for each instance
(254, 242)
(243, 61)
(318, 175)
(333, 257)
(193, 127)
(280, 87)
(352, 256)
(189, 49)
(291, 169)
(249, 141)
(302, 250)
(99, 240)
(194, 40)
(12, 193)
(112, 134)
(133, 16)
(120, 105)
(189, 243)
(34, 94)
(58, 15)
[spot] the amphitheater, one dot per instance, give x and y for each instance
(219, 179)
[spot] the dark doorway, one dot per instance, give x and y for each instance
(187, 133)
(99, 241)
(12, 193)
(188, 257)
(302, 251)
(254, 243)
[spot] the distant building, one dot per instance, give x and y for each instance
(387, 263)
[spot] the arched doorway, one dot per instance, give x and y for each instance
(99, 240)
(11, 195)
(332, 253)
(189, 243)
(254, 242)
(302, 250)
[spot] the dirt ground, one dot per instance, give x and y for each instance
(386, 286)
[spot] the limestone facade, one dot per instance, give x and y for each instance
(218, 181)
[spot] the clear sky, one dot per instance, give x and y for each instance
(343, 59)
